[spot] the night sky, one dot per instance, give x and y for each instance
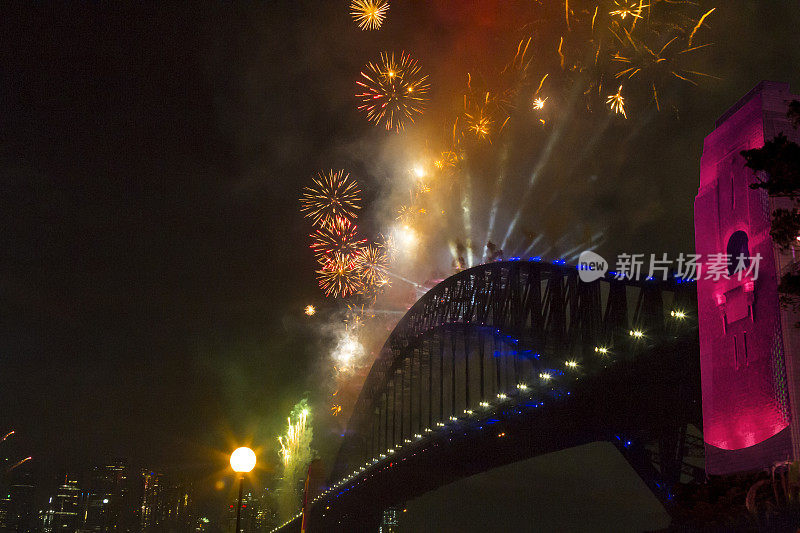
(153, 262)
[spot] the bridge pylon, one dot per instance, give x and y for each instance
(749, 345)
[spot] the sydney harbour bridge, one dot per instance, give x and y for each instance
(514, 359)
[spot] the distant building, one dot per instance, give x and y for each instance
(110, 505)
(175, 509)
(16, 506)
(390, 521)
(166, 505)
(150, 500)
(267, 514)
(249, 515)
(5, 507)
(63, 513)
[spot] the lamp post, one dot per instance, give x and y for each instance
(243, 460)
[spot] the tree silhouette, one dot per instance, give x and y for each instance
(777, 169)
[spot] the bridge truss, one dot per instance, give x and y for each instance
(498, 342)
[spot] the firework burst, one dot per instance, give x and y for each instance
(295, 435)
(448, 159)
(479, 125)
(338, 238)
(296, 453)
(339, 277)
(480, 112)
(354, 320)
(372, 262)
(333, 195)
(641, 60)
(349, 353)
(405, 213)
(617, 103)
(388, 244)
(628, 8)
(657, 51)
(355, 317)
(369, 14)
(392, 91)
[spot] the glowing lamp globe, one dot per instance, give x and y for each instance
(243, 460)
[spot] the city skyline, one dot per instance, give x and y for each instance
(112, 496)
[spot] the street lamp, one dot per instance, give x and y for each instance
(243, 460)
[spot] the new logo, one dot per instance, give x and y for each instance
(591, 266)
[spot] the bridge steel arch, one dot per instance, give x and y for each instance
(493, 344)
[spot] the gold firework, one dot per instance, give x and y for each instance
(310, 310)
(369, 14)
(372, 261)
(355, 317)
(405, 213)
(480, 112)
(353, 321)
(479, 125)
(628, 8)
(699, 24)
(448, 159)
(340, 277)
(654, 65)
(389, 245)
(538, 103)
(333, 195)
(392, 91)
(617, 103)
